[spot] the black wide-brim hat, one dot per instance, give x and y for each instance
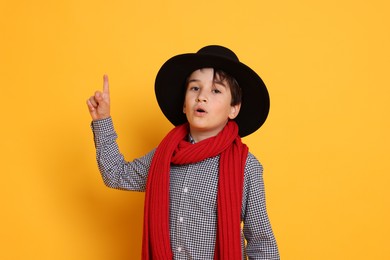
(170, 86)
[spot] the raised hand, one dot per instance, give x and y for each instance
(99, 104)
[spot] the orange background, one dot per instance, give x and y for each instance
(324, 147)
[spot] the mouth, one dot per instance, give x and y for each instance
(200, 111)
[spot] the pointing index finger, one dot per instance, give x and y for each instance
(106, 87)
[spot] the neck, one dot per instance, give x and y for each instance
(198, 136)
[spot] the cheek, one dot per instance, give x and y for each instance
(186, 104)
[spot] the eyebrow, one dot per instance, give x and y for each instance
(193, 80)
(214, 81)
(219, 82)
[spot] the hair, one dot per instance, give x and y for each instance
(235, 89)
(232, 84)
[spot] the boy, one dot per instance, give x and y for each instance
(201, 182)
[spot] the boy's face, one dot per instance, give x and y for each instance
(207, 103)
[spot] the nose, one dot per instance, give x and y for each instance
(201, 97)
(198, 100)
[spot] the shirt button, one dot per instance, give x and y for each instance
(185, 189)
(179, 249)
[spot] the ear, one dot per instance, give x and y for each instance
(184, 108)
(234, 110)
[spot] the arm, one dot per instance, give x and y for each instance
(116, 172)
(261, 243)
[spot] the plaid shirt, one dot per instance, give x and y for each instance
(193, 198)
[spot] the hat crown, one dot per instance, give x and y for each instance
(220, 51)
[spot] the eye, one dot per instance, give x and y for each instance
(216, 91)
(193, 88)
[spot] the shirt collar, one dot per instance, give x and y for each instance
(191, 139)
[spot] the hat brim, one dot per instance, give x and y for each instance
(170, 89)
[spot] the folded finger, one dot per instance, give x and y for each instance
(90, 106)
(92, 100)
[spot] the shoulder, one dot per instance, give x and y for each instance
(252, 163)
(253, 171)
(147, 158)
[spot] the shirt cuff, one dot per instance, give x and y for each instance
(102, 126)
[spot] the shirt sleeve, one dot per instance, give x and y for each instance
(116, 172)
(261, 243)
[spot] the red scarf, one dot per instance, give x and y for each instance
(175, 149)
